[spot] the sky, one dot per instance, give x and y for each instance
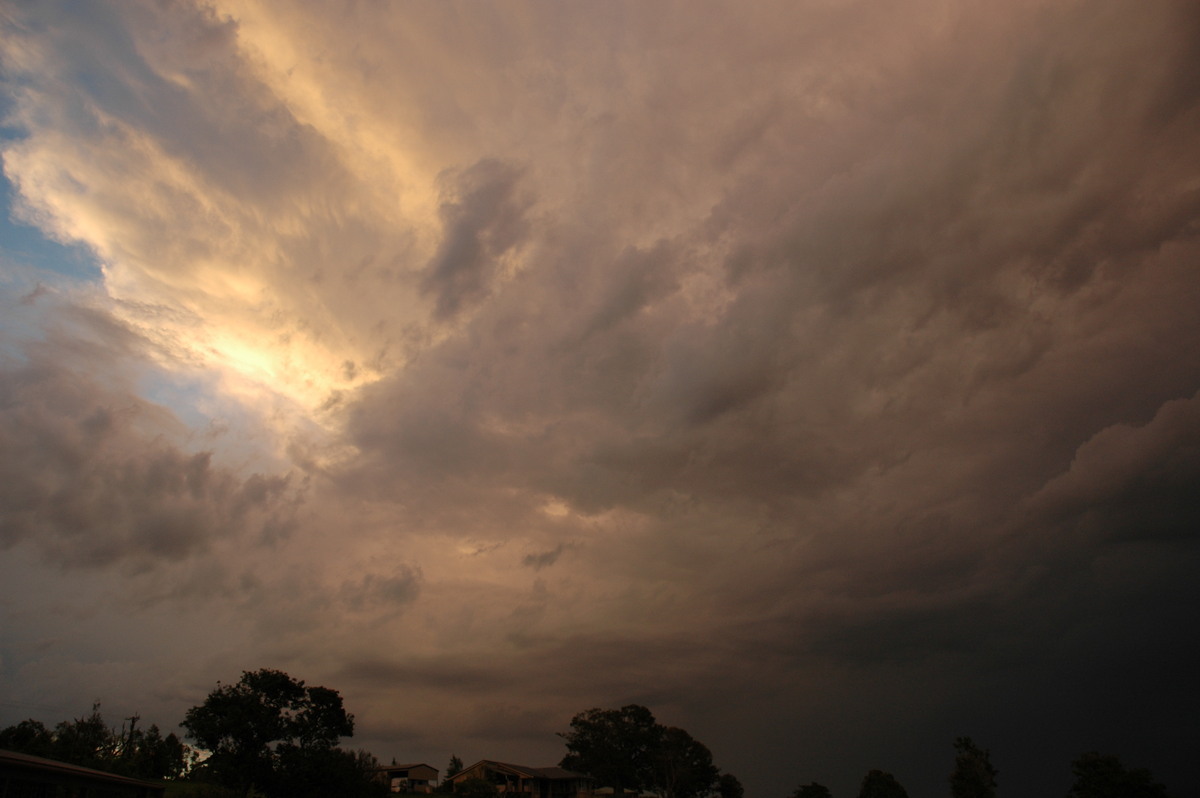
(823, 375)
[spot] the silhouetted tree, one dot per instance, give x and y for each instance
(1103, 776)
(614, 746)
(812, 790)
(86, 741)
(453, 768)
(28, 737)
(973, 775)
(149, 755)
(880, 784)
(683, 766)
(90, 742)
(270, 732)
(321, 772)
(728, 786)
(626, 749)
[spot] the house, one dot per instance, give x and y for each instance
(22, 774)
(417, 777)
(518, 781)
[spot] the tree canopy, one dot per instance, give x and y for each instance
(973, 775)
(614, 746)
(683, 766)
(811, 790)
(881, 784)
(627, 749)
(273, 733)
(728, 786)
(1103, 776)
(90, 742)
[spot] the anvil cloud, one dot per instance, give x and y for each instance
(823, 375)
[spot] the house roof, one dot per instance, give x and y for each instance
(410, 766)
(37, 764)
(522, 770)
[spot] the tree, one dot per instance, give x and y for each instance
(811, 790)
(881, 784)
(325, 771)
(614, 746)
(683, 766)
(627, 749)
(28, 737)
(1103, 776)
(973, 775)
(90, 742)
(728, 786)
(454, 767)
(86, 741)
(268, 727)
(149, 755)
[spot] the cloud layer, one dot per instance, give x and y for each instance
(824, 376)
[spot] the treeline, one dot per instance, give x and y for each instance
(1096, 776)
(90, 742)
(271, 736)
(266, 736)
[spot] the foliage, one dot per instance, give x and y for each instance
(453, 768)
(973, 775)
(881, 784)
(90, 742)
(811, 790)
(28, 737)
(627, 749)
(319, 772)
(1103, 776)
(475, 787)
(149, 755)
(86, 741)
(614, 746)
(271, 733)
(683, 766)
(183, 788)
(728, 786)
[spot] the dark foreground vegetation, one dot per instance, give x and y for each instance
(271, 736)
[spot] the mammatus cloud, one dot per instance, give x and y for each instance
(822, 376)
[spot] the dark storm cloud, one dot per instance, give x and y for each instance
(1131, 483)
(938, 391)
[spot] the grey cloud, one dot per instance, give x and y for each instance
(483, 218)
(378, 591)
(90, 478)
(544, 559)
(882, 429)
(438, 674)
(1131, 483)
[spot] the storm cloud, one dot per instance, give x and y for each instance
(824, 376)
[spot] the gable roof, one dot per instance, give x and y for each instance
(409, 766)
(550, 773)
